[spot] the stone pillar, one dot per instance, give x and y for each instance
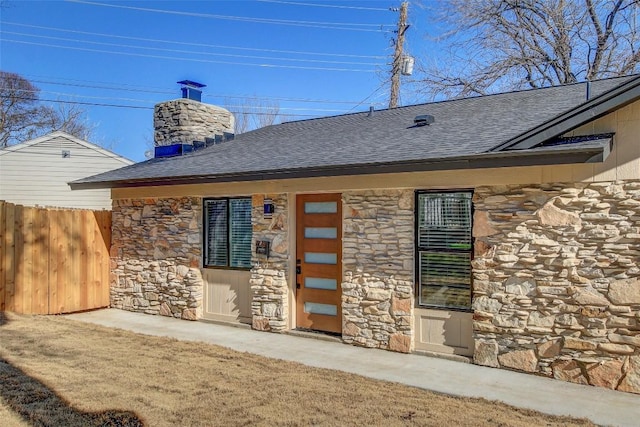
(185, 120)
(269, 276)
(378, 254)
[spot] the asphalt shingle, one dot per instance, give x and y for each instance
(463, 127)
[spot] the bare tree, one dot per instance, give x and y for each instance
(515, 44)
(71, 119)
(253, 113)
(20, 111)
(23, 116)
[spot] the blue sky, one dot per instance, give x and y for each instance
(130, 54)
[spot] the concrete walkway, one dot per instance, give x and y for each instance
(604, 407)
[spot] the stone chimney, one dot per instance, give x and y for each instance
(185, 120)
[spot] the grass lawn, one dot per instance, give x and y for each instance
(59, 372)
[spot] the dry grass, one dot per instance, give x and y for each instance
(54, 371)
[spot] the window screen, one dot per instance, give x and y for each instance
(228, 233)
(444, 249)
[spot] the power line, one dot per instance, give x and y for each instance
(124, 89)
(245, 106)
(33, 91)
(149, 89)
(365, 100)
(188, 52)
(293, 3)
(314, 101)
(99, 85)
(296, 67)
(193, 44)
(249, 106)
(267, 107)
(93, 104)
(137, 107)
(309, 24)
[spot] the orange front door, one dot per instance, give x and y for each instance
(319, 262)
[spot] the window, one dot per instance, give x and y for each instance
(227, 233)
(444, 244)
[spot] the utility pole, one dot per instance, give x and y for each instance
(397, 56)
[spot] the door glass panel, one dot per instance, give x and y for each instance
(321, 207)
(317, 308)
(317, 283)
(320, 258)
(320, 232)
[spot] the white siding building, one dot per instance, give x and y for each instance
(36, 172)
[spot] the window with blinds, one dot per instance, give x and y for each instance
(240, 233)
(228, 233)
(444, 245)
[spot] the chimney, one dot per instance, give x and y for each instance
(187, 120)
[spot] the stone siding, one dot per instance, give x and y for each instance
(186, 120)
(269, 276)
(156, 256)
(557, 281)
(377, 291)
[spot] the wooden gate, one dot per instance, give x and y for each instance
(53, 261)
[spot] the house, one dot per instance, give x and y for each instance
(37, 172)
(502, 228)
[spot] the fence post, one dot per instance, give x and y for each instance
(3, 231)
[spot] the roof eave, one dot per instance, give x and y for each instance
(538, 157)
(595, 108)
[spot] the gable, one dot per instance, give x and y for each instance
(61, 141)
(38, 172)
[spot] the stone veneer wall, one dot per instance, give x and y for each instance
(377, 291)
(269, 276)
(557, 281)
(185, 120)
(156, 256)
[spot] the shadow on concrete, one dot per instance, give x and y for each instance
(39, 406)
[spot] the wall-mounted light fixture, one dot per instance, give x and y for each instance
(269, 208)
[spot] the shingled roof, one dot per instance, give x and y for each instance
(505, 129)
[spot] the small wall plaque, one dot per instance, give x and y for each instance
(262, 247)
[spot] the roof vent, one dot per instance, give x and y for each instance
(371, 110)
(191, 90)
(423, 120)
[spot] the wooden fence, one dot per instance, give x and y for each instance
(53, 261)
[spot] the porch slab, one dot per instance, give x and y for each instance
(602, 406)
